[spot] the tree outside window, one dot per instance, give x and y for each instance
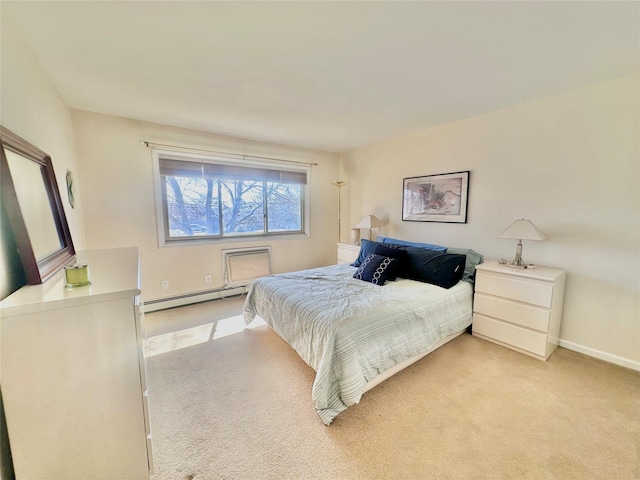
(225, 201)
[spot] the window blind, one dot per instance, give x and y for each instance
(184, 168)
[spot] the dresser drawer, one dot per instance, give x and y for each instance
(522, 290)
(512, 335)
(523, 314)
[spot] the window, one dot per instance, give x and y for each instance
(208, 198)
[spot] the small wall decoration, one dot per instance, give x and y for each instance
(436, 198)
(71, 189)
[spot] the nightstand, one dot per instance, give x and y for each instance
(519, 308)
(347, 252)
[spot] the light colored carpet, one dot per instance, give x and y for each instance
(238, 406)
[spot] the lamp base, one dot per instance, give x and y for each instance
(518, 262)
(355, 236)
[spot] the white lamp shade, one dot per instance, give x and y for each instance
(523, 230)
(370, 221)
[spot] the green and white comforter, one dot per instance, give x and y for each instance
(349, 330)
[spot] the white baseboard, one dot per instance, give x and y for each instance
(191, 298)
(607, 357)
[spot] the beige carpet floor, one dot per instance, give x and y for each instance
(234, 403)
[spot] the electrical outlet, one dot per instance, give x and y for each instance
(207, 279)
(165, 284)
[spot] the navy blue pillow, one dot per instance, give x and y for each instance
(368, 246)
(415, 261)
(444, 270)
(377, 269)
(395, 241)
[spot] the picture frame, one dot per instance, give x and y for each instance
(442, 198)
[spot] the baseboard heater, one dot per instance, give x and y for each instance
(241, 266)
(191, 298)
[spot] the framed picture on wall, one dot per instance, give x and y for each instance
(436, 198)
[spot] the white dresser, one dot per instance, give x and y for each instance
(347, 252)
(73, 374)
(519, 308)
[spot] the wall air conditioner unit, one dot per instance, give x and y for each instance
(241, 266)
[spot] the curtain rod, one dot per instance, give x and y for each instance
(180, 148)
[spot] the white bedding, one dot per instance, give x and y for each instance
(349, 330)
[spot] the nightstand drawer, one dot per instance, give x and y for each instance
(347, 253)
(511, 335)
(528, 291)
(528, 316)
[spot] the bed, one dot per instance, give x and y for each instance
(356, 333)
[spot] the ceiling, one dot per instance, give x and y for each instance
(323, 75)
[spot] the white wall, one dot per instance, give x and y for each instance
(32, 109)
(120, 208)
(570, 163)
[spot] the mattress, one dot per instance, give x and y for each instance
(350, 331)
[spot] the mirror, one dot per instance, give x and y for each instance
(34, 208)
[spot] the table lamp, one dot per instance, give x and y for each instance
(522, 229)
(369, 222)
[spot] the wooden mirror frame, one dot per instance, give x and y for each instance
(37, 270)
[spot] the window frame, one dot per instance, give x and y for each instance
(164, 238)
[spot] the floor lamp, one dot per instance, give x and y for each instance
(339, 184)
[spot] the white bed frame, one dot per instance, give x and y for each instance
(378, 379)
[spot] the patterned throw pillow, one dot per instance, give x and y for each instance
(394, 251)
(377, 269)
(369, 246)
